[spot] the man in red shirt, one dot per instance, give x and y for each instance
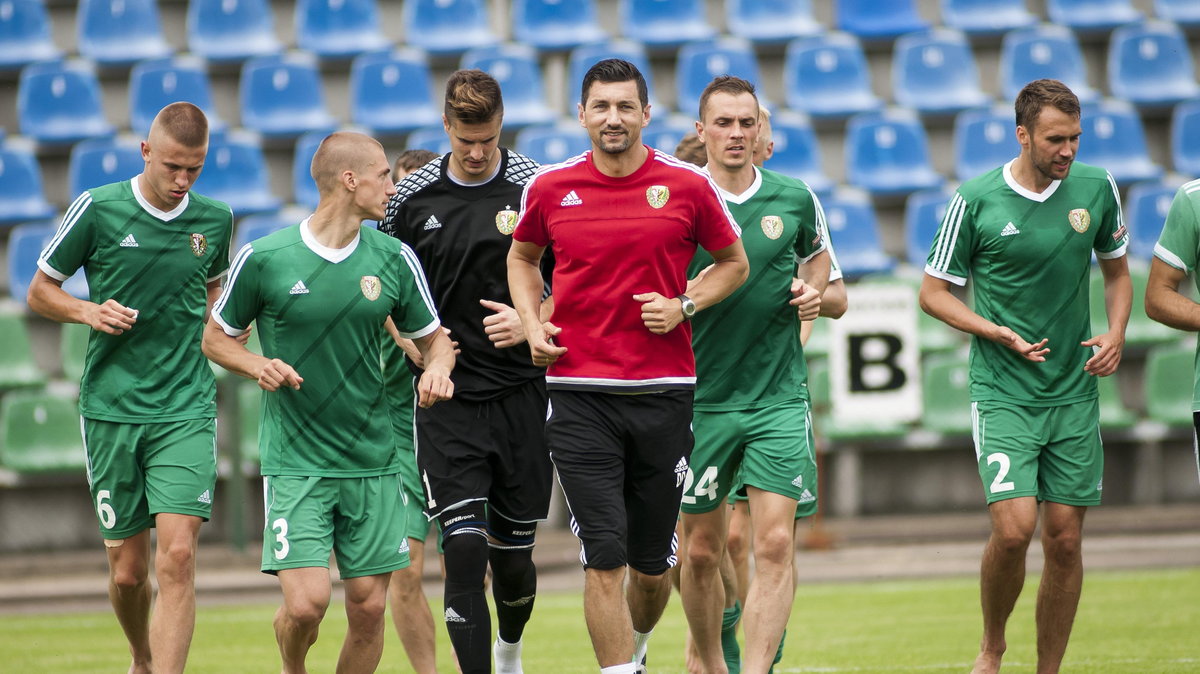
(623, 221)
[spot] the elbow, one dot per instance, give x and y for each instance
(836, 308)
(924, 301)
(1153, 307)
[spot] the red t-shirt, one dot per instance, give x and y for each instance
(613, 238)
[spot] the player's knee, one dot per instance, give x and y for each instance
(702, 552)
(367, 610)
(176, 560)
(774, 545)
(306, 612)
(465, 544)
(129, 577)
(511, 553)
(1063, 546)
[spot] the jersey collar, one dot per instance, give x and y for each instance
(744, 196)
(1032, 196)
(165, 216)
(334, 255)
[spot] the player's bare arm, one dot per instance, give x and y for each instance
(937, 301)
(437, 352)
(47, 297)
(728, 271)
(410, 348)
(213, 289)
(1164, 302)
(231, 353)
(815, 277)
(525, 284)
(503, 327)
(1118, 300)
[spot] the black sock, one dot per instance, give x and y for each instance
(514, 587)
(468, 620)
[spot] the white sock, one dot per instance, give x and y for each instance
(627, 668)
(640, 641)
(507, 656)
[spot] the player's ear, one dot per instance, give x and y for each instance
(349, 181)
(579, 107)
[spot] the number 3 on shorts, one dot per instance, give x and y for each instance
(280, 528)
(707, 486)
(108, 516)
(998, 484)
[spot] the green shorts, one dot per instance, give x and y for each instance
(136, 471)
(361, 519)
(770, 448)
(1053, 453)
(414, 497)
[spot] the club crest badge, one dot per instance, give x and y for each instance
(657, 196)
(506, 221)
(1080, 219)
(772, 226)
(370, 287)
(199, 244)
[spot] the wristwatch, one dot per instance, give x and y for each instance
(688, 306)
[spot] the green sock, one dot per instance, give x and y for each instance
(729, 644)
(778, 653)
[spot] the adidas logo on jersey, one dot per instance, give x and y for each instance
(571, 199)
(806, 496)
(452, 616)
(299, 289)
(432, 223)
(129, 242)
(798, 482)
(206, 497)
(681, 470)
(1009, 230)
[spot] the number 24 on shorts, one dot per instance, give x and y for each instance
(707, 485)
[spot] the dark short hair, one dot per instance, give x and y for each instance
(184, 123)
(726, 84)
(614, 70)
(1040, 93)
(473, 97)
(691, 150)
(411, 160)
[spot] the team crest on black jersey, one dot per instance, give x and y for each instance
(506, 221)
(657, 196)
(772, 226)
(371, 287)
(1080, 219)
(199, 244)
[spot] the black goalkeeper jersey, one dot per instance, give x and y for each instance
(462, 236)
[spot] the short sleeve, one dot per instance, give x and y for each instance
(810, 240)
(241, 299)
(531, 223)
(1112, 238)
(950, 256)
(715, 226)
(414, 314)
(1179, 242)
(220, 263)
(72, 243)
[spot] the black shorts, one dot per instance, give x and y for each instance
(492, 451)
(621, 461)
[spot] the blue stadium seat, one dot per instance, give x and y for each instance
(986, 17)
(797, 152)
(304, 188)
(664, 133)
(156, 83)
(236, 173)
(432, 138)
(552, 144)
(25, 244)
(515, 67)
(1044, 51)
(339, 29)
(101, 161)
(583, 58)
(1150, 65)
(852, 224)
(699, 62)
(1183, 12)
(281, 96)
(24, 33)
(874, 20)
(1185, 138)
(1146, 207)
(664, 23)
(448, 26)
(1091, 16)
(934, 72)
(770, 21)
(58, 102)
(119, 32)
(827, 77)
(391, 92)
(887, 153)
(21, 195)
(257, 226)
(1113, 138)
(983, 140)
(923, 213)
(556, 24)
(231, 30)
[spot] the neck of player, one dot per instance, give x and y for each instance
(1027, 175)
(733, 180)
(621, 164)
(334, 227)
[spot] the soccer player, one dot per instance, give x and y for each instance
(1176, 255)
(1026, 232)
(751, 410)
(321, 292)
(482, 456)
(623, 221)
(155, 251)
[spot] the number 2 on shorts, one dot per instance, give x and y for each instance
(998, 484)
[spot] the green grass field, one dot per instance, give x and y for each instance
(1142, 622)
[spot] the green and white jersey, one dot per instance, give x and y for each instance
(1179, 246)
(747, 346)
(158, 263)
(1029, 255)
(322, 310)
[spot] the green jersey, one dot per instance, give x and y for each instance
(322, 310)
(1030, 256)
(1179, 246)
(158, 263)
(747, 346)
